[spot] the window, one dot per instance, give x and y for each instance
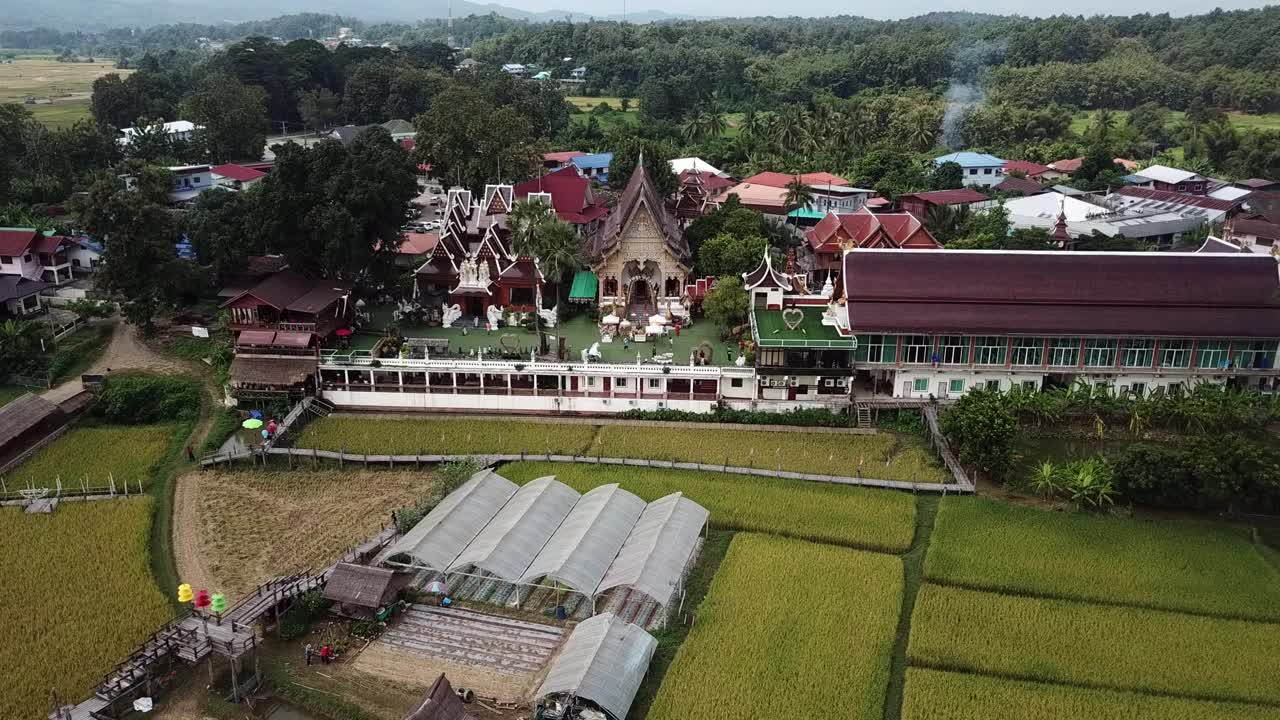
(1030, 385)
(917, 349)
(989, 350)
(1212, 354)
(6, 259)
(1175, 353)
(26, 258)
(953, 349)
(770, 357)
(986, 171)
(735, 382)
(876, 348)
(1100, 353)
(75, 262)
(591, 381)
(1064, 351)
(1138, 389)
(1138, 353)
(654, 383)
(1255, 354)
(973, 171)
(993, 385)
(1028, 351)
(955, 386)
(621, 382)
(920, 385)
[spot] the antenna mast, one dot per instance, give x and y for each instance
(450, 40)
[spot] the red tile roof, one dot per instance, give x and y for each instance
(1200, 201)
(1059, 292)
(570, 194)
(418, 243)
(16, 242)
(713, 183)
(1068, 165)
(779, 180)
(49, 244)
(238, 172)
(866, 229)
(1026, 167)
(961, 196)
(1021, 185)
(561, 157)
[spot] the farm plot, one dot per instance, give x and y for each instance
(256, 525)
(1116, 648)
(77, 598)
(48, 78)
(937, 695)
(411, 436)
(835, 514)
(789, 629)
(873, 456)
(1202, 569)
(96, 454)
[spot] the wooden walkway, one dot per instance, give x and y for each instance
(302, 456)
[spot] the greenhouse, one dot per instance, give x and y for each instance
(603, 663)
(438, 539)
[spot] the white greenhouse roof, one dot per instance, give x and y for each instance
(443, 534)
(511, 540)
(654, 555)
(604, 660)
(580, 552)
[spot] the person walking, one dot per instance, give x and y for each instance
(308, 651)
(325, 653)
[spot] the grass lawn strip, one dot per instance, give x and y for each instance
(1191, 568)
(789, 629)
(855, 517)
(125, 453)
(374, 436)
(76, 596)
(937, 695)
(1101, 646)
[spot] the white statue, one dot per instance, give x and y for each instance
(586, 356)
(495, 316)
(549, 316)
(742, 360)
(449, 315)
(473, 274)
(594, 352)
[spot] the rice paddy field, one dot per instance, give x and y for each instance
(76, 596)
(45, 77)
(1205, 569)
(95, 454)
(882, 456)
(789, 629)
(1118, 648)
(833, 514)
(938, 695)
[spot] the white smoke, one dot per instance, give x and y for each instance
(961, 98)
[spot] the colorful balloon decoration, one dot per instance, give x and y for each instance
(184, 593)
(219, 603)
(202, 598)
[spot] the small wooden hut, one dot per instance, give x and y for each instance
(361, 590)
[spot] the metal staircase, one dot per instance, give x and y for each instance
(863, 415)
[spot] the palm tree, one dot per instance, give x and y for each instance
(18, 335)
(922, 130)
(792, 130)
(525, 218)
(799, 196)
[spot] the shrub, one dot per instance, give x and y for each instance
(225, 421)
(137, 399)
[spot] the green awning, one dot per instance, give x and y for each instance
(584, 286)
(806, 214)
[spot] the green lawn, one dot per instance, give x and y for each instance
(95, 455)
(1118, 648)
(45, 77)
(1271, 121)
(937, 695)
(584, 103)
(1204, 569)
(789, 630)
(835, 514)
(61, 114)
(78, 351)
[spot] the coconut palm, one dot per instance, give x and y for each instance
(792, 132)
(525, 218)
(922, 129)
(799, 196)
(19, 335)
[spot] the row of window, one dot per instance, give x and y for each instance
(8, 259)
(1065, 351)
(987, 171)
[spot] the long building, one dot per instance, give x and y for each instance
(914, 325)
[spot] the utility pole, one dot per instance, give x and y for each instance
(450, 39)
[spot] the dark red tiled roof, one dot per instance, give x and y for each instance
(640, 190)
(781, 180)
(1068, 165)
(1026, 167)
(1200, 201)
(570, 192)
(960, 196)
(867, 229)
(418, 243)
(238, 172)
(16, 242)
(562, 157)
(48, 244)
(1257, 227)
(1022, 186)
(1066, 293)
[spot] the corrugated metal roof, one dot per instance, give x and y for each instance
(579, 553)
(604, 661)
(443, 534)
(655, 553)
(511, 540)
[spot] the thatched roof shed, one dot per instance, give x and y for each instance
(363, 586)
(440, 703)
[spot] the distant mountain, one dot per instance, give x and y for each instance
(81, 15)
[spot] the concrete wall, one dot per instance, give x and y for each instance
(509, 403)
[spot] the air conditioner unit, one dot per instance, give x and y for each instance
(828, 382)
(842, 382)
(661, 404)
(794, 382)
(764, 382)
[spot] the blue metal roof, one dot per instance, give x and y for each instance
(969, 159)
(593, 162)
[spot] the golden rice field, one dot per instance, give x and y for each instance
(76, 596)
(96, 454)
(851, 516)
(1118, 648)
(1203, 569)
(937, 695)
(789, 630)
(872, 456)
(411, 436)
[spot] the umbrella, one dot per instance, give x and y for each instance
(251, 424)
(342, 332)
(436, 587)
(610, 319)
(255, 414)
(653, 330)
(657, 320)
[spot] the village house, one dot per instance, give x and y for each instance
(85, 254)
(189, 181)
(236, 177)
(1162, 177)
(288, 301)
(826, 242)
(1200, 207)
(415, 249)
(1020, 186)
(20, 297)
(767, 200)
(515, 70)
(920, 203)
(35, 255)
(1032, 171)
(1070, 166)
(177, 131)
(570, 194)
(1162, 228)
(557, 160)
(594, 166)
(681, 165)
(1255, 232)
(977, 168)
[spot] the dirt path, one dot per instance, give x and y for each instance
(186, 531)
(126, 352)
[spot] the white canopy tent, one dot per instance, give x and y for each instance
(603, 661)
(450, 527)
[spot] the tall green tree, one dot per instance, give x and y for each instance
(465, 151)
(981, 428)
(232, 119)
(726, 255)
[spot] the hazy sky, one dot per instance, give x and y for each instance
(900, 9)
